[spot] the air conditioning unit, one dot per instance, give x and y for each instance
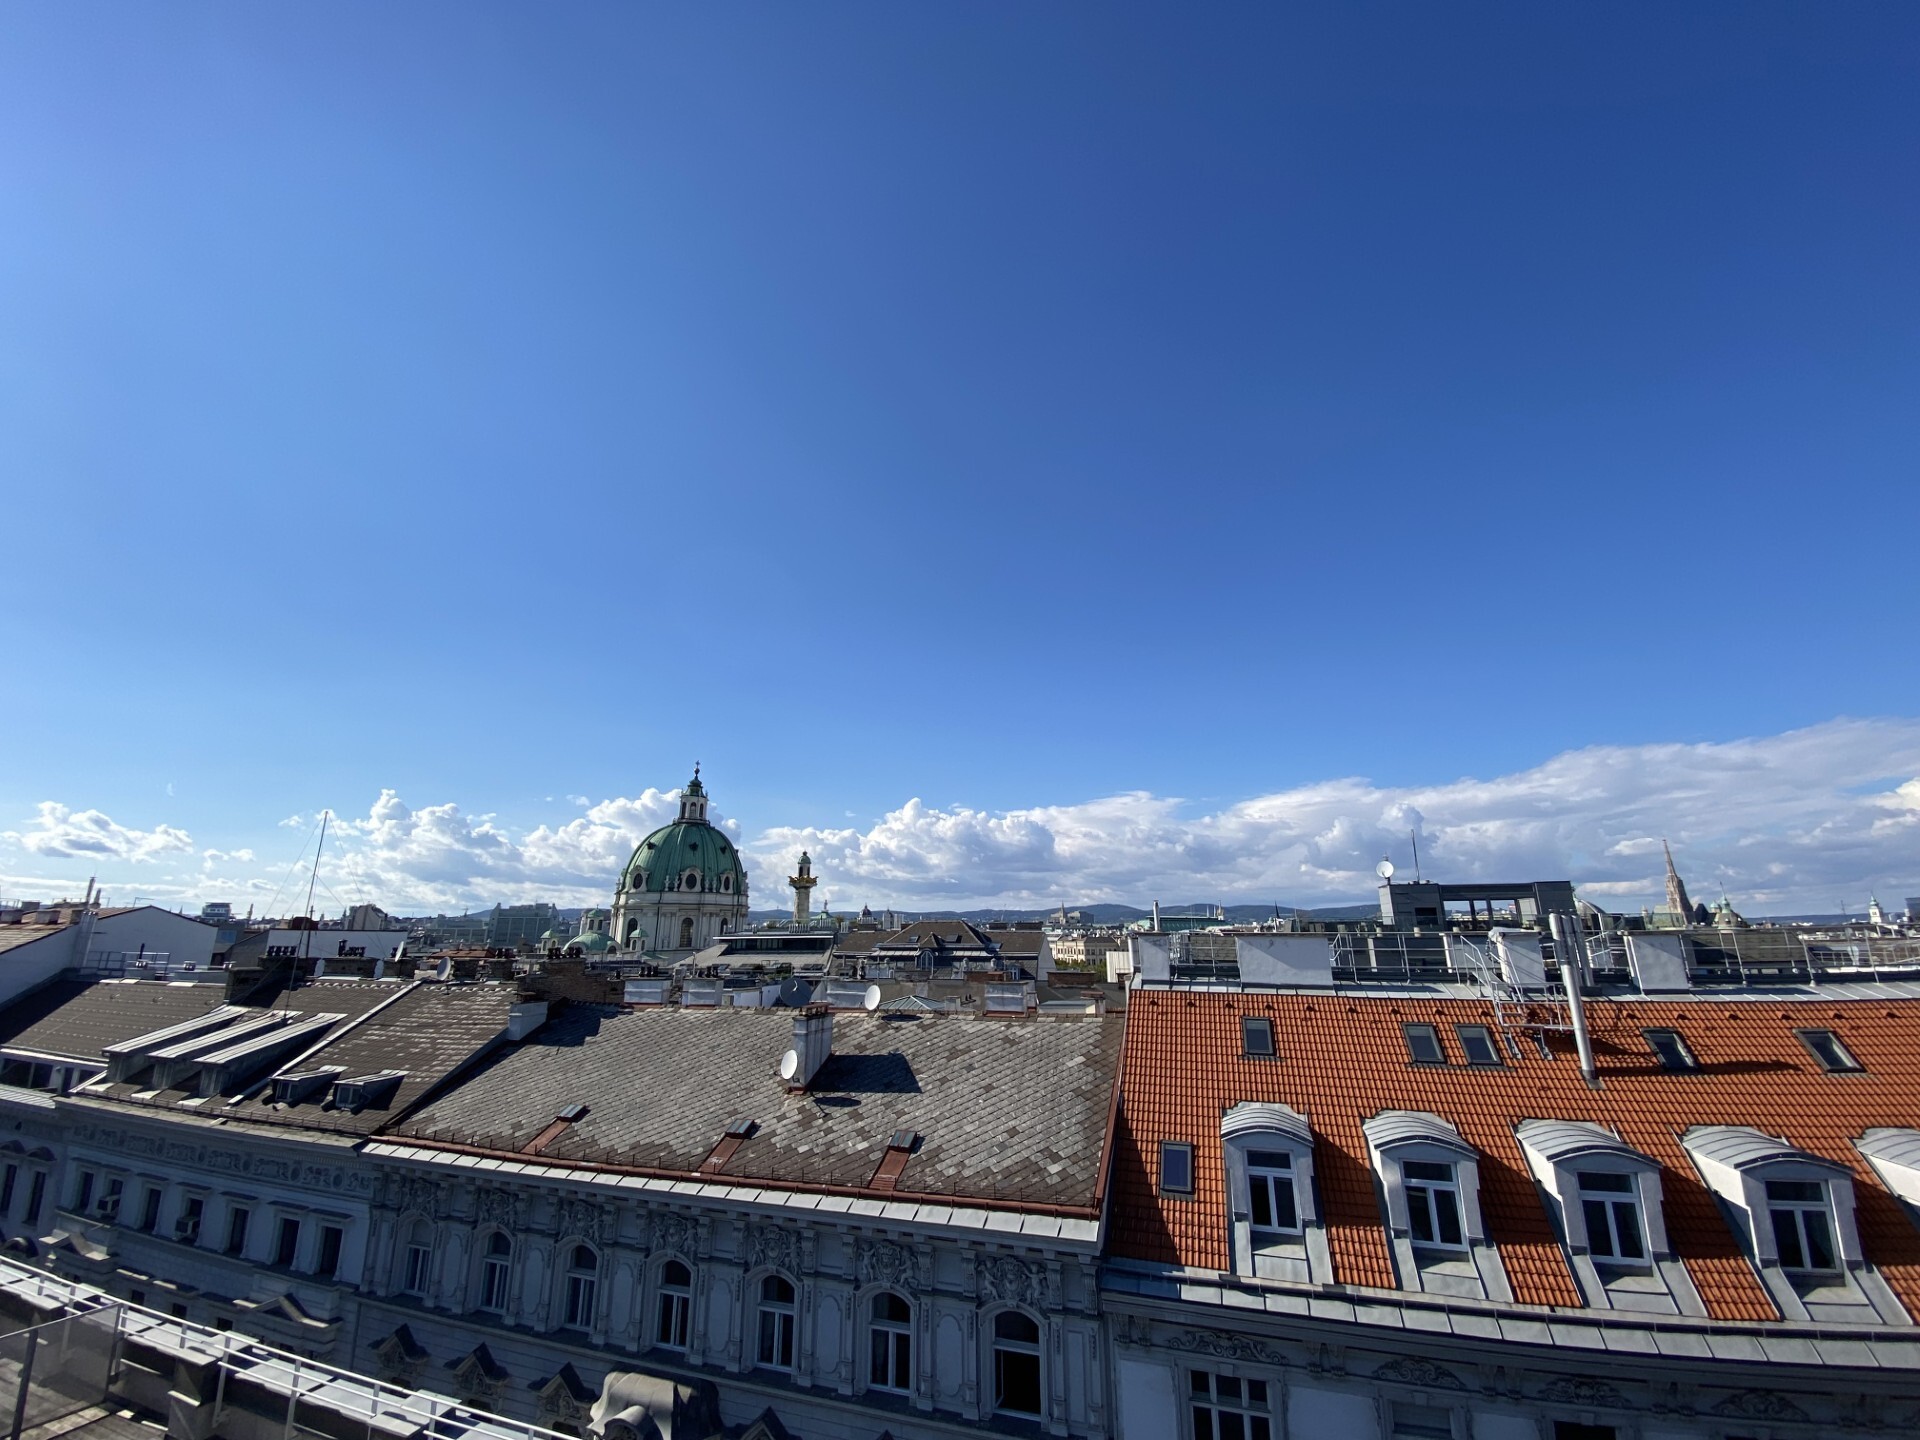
(109, 1208)
(188, 1230)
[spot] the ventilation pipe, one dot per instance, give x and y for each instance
(1567, 947)
(812, 1043)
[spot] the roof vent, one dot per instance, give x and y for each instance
(742, 1129)
(361, 1091)
(571, 1113)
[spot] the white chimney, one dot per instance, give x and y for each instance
(812, 1043)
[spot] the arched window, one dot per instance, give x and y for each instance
(676, 1299)
(493, 1273)
(416, 1260)
(726, 884)
(776, 1323)
(583, 1271)
(1016, 1364)
(686, 932)
(890, 1366)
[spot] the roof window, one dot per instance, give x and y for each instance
(1176, 1168)
(1256, 1037)
(1476, 1042)
(1423, 1045)
(1670, 1050)
(1827, 1048)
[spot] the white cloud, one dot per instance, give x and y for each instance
(58, 832)
(1804, 820)
(1808, 820)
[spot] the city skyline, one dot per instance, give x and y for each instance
(1809, 821)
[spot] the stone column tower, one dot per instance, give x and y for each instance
(803, 884)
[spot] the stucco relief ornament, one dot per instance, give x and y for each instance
(673, 1233)
(1005, 1280)
(1422, 1374)
(770, 1245)
(1581, 1390)
(1760, 1405)
(1222, 1346)
(497, 1207)
(586, 1219)
(886, 1262)
(418, 1195)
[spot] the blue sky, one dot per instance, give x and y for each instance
(1004, 409)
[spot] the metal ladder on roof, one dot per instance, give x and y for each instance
(1533, 1010)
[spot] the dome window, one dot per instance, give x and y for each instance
(690, 880)
(726, 883)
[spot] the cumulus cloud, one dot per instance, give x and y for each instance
(60, 833)
(1796, 822)
(1802, 820)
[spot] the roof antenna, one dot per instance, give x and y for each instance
(1415, 833)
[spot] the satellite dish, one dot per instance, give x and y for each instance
(795, 992)
(1384, 869)
(789, 1064)
(871, 1000)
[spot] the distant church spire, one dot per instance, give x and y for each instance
(1676, 890)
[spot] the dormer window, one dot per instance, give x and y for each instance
(1606, 1196)
(1794, 1214)
(1430, 1178)
(1826, 1047)
(1273, 1216)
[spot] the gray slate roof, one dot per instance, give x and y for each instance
(1011, 1111)
(429, 1033)
(80, 1018)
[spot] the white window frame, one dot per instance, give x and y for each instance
(677, 1299)
(1429, 1198)
(495, 1268)
(1037, 1348)
(785, 1315)
(897, 1333)
(1797, 1210)
(579, 1289)
(1612, 1200)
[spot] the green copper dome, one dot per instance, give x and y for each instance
(591, 942)
(686, 855)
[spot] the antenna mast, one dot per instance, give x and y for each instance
(306, 937)
(1415, 836)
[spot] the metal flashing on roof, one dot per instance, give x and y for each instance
(1415, 1127)
(1741, 1147)
(1559, 1141)
(1252, 1117)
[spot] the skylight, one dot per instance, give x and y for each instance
(1256, 1036)
(1828, 1049)
(1670, 1050)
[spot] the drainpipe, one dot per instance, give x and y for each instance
(1567, 947)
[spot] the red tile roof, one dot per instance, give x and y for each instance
(1342, 1060)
